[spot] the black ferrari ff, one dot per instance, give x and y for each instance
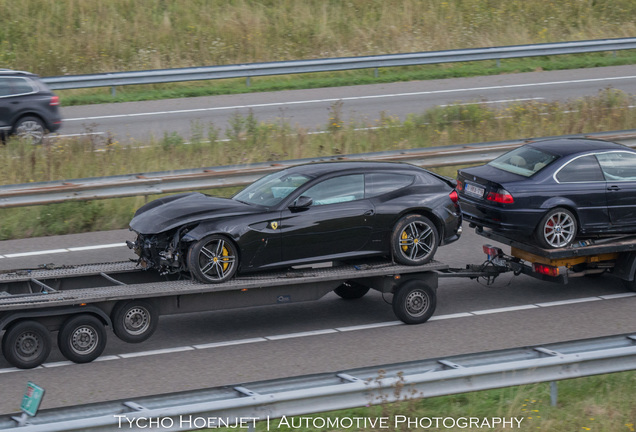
(552, 191)
(331, 211)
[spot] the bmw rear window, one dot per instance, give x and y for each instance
(524, 160)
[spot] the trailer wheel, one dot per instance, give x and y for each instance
(213, 259)
(134, 321)
(630, 285)
(351, 290)
(414, 302)
(414, 240)
(26, 344)
(82, 338)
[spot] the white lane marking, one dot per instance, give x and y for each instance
(330, 331)
(157, 352)
(351, 98)
(26, 254)
(567, 302)
(369, 326)
(229, 343)
(505, 309)
(494, 102)
(56, 251)
(301, 334)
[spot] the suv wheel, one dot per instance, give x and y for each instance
(31, 129)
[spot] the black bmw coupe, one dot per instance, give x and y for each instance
(331, 211)
(553, 191)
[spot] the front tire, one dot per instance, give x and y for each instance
(26, 344)
(414, 302)
(557, 229)
(414, 240)
(213, 259)
(134, 321)
(82, 338)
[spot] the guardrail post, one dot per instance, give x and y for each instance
(113, 91)
(375, 72)
(554, 393)
(247, 81)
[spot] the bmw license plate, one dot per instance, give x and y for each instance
(475, 190)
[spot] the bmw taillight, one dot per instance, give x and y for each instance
(454, 196)
(460, 185)
(502, 196)
(55, 100)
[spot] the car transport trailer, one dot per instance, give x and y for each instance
(79, 302)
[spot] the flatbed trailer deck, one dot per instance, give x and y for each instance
(80, 301)
(615, 256)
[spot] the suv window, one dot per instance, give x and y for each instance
(13, 86)
(583, 169)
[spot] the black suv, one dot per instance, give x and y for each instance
(28, 108)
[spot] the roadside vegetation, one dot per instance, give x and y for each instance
(74, 37)
(248, 140)
(602, 403)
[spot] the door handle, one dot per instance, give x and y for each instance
(369, 212)
(613, 188)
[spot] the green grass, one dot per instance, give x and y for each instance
(603, 403)
(248, 140)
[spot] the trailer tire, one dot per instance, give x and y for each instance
(82, 338)
(26, 344)
(414, 302)
(414, 240)
(134, 321)
(351, 290)
(630, 284)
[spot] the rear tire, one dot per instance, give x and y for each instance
(31, 129)
(414, 240)
(26, 344)
(414, 302)
(557, 229)
(82, 338)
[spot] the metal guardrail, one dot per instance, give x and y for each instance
(271, 400)
(144, 184)
(335, 64)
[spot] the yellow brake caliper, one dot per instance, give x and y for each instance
(404, 237)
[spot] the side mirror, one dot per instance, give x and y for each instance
(302, 202)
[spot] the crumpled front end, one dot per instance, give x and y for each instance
(163, 252)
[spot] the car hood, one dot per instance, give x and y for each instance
(170, 212)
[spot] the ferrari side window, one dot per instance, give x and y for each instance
(381, 183)
(337, 190)
(618, 166)
(583, 169)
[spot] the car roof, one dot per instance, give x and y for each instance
(569, 146)
(322, 168)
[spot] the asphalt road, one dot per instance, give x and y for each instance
(231, 347)
(310, 108)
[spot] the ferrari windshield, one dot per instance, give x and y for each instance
(271, 189)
